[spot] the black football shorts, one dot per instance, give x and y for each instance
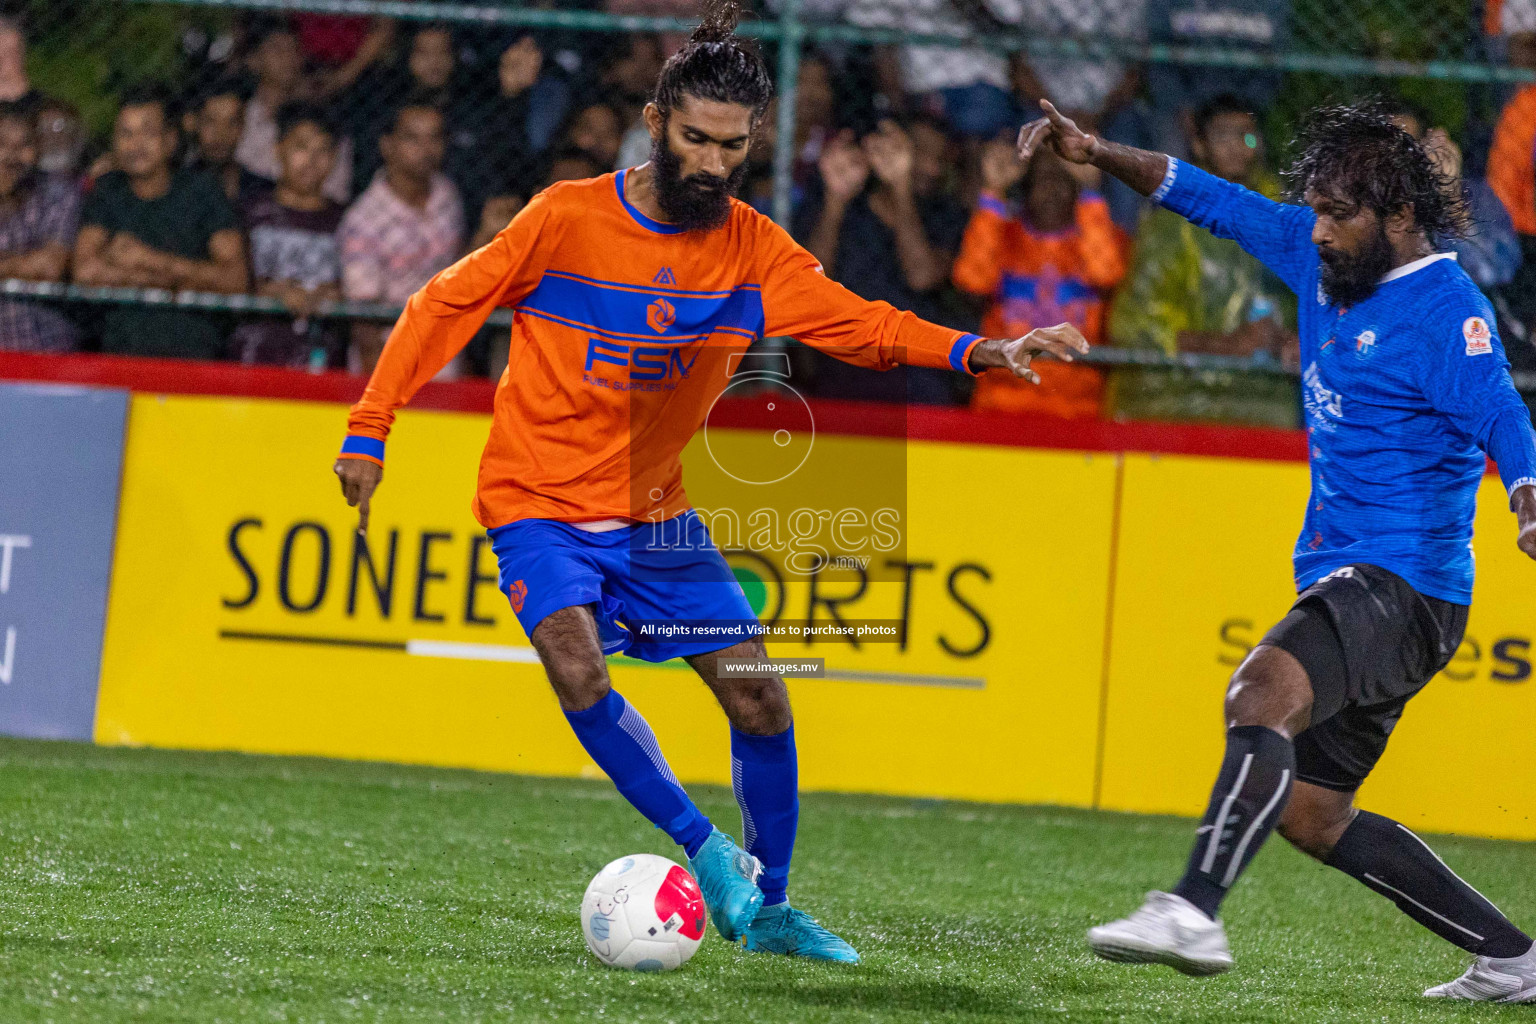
(1369, 642)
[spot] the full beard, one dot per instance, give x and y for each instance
(699, 202)
(1349, 280)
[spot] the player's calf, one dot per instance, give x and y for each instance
(1315, 819)
(764, 763)
(611, 730)
(1267, 704)
(1394, 862)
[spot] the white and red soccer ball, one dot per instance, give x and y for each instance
(643, 913)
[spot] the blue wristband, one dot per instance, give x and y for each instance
(370, 447)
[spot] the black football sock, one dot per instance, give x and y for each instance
(1249, 795)
(1393, 861)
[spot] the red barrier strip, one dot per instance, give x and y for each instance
(864, 419)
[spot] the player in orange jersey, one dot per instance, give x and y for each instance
(631, 291)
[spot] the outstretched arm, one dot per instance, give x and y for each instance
(1276, 234)
(1141, 169)
(800, 302)
(437, 322)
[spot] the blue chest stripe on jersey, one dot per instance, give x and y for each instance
(652, 313)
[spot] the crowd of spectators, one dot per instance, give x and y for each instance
(340, 158)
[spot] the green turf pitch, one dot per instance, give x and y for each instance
(153, 886)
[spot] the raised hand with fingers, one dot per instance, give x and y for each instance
(844, 168)
(1063, 341)
(1059, 132)
(888, 151)
(1001, 167)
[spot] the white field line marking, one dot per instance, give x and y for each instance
(471, 652)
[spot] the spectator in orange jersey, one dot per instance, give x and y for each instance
(1510, 160)
(1052, 261)
(1512, 176)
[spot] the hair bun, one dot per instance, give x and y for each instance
(719, 22)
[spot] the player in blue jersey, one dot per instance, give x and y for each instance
(1406, 387)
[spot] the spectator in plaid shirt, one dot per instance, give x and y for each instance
(39, 215)
(405, 227)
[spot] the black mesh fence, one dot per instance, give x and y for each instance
(514, 97)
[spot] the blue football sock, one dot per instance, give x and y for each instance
(622, 744)
(766, 778)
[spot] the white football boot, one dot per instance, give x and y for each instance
(1493, 981)
(1168, 929)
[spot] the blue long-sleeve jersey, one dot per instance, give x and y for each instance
(1403, 394)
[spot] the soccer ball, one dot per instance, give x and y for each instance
(643, 913)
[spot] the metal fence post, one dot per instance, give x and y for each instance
(791, 32)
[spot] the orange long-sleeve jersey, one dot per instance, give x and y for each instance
(622, 332)
(1037, 279)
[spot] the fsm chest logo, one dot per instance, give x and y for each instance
(660, 315)
(648, 367)
(1365, 343)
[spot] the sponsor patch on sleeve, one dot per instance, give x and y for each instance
(1479, 338)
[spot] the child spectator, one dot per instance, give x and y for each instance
(1052, 262)
(405, 227)
(39, 215)
(146, 225)
(294, 256)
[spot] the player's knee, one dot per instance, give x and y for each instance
(579, 682)
(1265, 691)
(759, 706)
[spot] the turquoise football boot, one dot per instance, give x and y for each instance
(790, 932)
(727, 876)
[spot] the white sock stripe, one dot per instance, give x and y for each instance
(1372, 878)
(1242, 847)
(748, 826)
(1221, 819)
(1447, 867)
(639, 730)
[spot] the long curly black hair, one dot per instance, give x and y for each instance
(1357, 154)
(716, 64)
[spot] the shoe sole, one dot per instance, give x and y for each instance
(1122, 953)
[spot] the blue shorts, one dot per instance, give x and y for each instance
(658, 591)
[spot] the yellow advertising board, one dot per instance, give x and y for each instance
(1204, 570)
(247, 614)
